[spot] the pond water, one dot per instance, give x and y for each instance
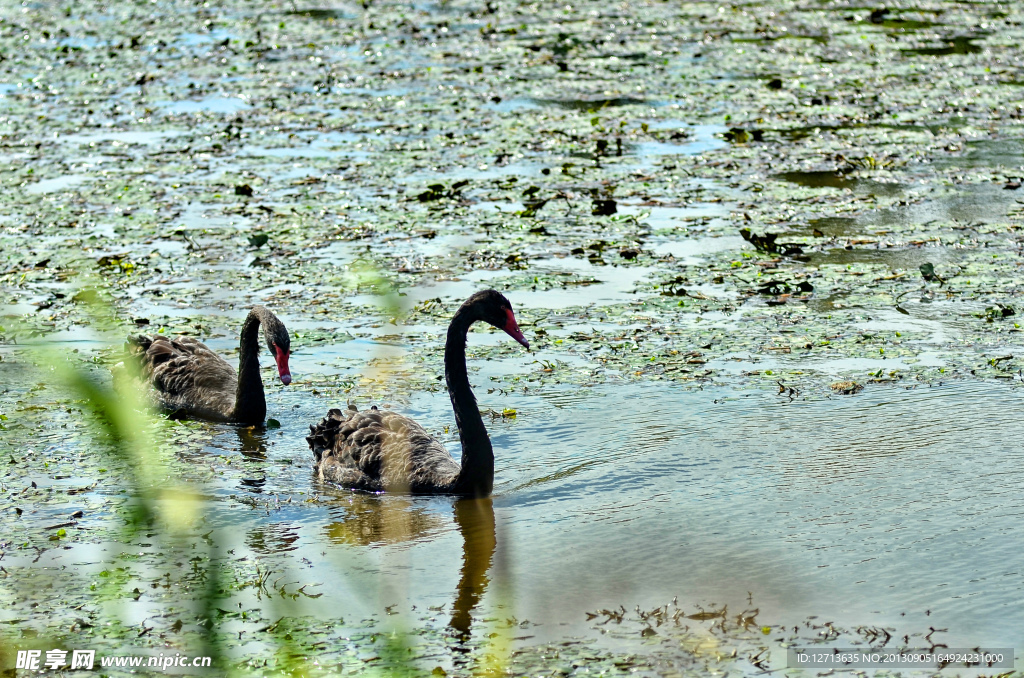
(892, 508)
(895, 508)
(807, 432)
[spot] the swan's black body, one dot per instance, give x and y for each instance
(189, 379)
(378, 450)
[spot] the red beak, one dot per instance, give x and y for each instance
(512, 328)
(281, 356)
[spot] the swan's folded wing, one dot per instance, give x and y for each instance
(183, 371)
(379, 450)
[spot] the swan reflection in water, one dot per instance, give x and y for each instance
(475, 518)
(252, 442)
(373, 520)
(253, 446)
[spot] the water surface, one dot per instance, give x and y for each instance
(893, 507)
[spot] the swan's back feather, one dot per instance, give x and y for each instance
(379, 450)
(185, 375)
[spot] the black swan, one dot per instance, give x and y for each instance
(189, 379)
(377, 450)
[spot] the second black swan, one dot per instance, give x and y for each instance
(188, 379)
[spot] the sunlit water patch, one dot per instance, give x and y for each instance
(223, 105)
(58, 184)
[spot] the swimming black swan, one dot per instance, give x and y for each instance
(191, 380)
(378, 450)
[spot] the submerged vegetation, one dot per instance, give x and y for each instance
(803, 199)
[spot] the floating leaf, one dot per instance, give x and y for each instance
(767, 243)
(258, 240)
(738, 135)
(846, 387)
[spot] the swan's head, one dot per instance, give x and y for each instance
(494, 308)
(280, 346)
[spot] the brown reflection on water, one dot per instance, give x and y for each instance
(840, 180)
(384, 520)
(368, 519)
(252, 442)
(475, 518)
(375, 520)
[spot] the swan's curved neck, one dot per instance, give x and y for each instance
(477, 475)
(250, 403)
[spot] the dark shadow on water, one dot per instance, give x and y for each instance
(820, 39)
(984, 202)
(834, 227)
(636, 57)
(252, 442)
(475, 518)
(272, 538)
(831, 179)
(591, 104)
(902, 25)
(320, 14)
(987, 153)
(829, 303)
(894, 258)
(254, 485)
(824, 179)
(960, 45)
(804, 131)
